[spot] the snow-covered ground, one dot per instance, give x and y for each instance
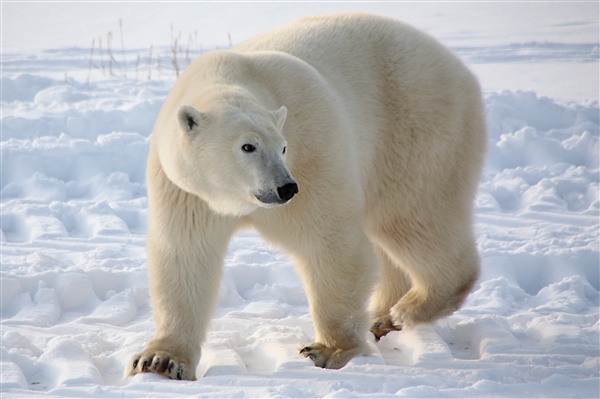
(74, 290)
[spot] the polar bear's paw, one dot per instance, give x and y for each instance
(383, 326)
(420, 305)
(330, 358)
(163, 363)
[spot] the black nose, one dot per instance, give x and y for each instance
(287, 191)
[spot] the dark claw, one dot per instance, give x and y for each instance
(171, 367)
(180, 372)
(156, 364)
(145, 366)
(307, 352)
(135, 363)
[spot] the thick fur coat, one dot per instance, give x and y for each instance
(353, 142)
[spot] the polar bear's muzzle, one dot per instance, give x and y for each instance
(280, 196)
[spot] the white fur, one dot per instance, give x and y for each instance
(384, 135)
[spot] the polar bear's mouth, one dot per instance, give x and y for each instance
(280, 196)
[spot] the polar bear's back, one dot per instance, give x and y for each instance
(339, 44)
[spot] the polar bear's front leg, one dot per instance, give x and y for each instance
(339, 279)
(186, 246)
(182, 300)
(184, 283)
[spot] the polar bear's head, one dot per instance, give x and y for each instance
(233, 159)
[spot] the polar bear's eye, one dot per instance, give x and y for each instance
(284, 148)
(248, 148)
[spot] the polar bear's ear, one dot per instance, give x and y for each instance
(189, 119)
(280, 116)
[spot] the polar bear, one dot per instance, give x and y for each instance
(355, 143)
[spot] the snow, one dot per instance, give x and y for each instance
(74, 288)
